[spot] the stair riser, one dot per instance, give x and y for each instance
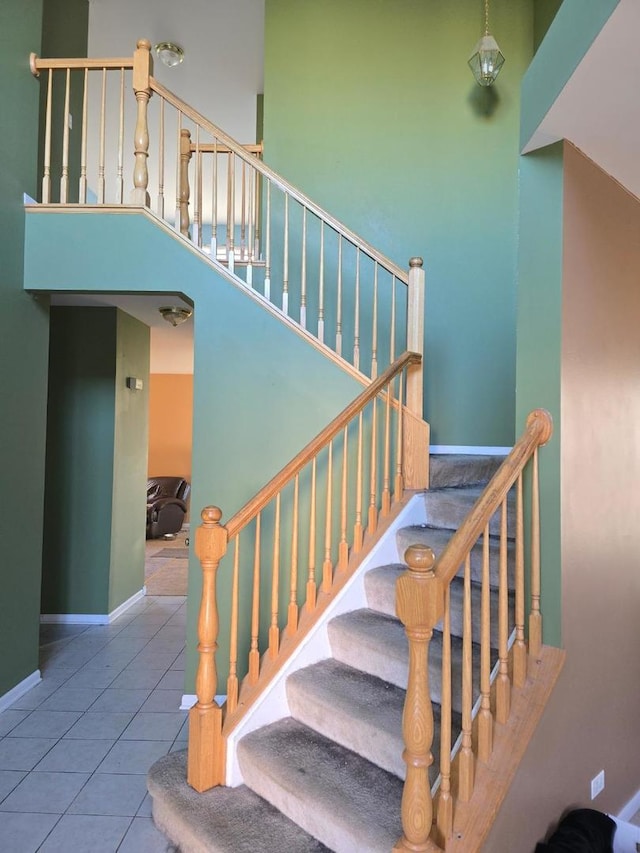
(390, 663)
(381, 746)
(462, 470)
(437, 539)
(381, 597)
(340, 799)
(445, 508)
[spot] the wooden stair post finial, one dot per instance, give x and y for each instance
(205, 767)
(142, 71)
(419, 605)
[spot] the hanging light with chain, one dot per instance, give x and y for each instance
(487, 59)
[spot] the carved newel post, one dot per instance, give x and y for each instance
(415, 432)
(419, 605)
(205, 767)
(142, 71)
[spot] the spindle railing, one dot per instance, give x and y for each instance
(292, 547)
(423, 603)
(221, 197)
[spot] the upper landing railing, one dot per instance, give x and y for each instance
(219, 195)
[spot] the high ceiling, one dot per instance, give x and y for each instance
(599, 108)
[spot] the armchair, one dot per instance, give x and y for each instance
(166, 505)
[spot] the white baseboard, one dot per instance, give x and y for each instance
(190, 699)
(631, 807)
(469, 449)
(93, 618)
(20, 689)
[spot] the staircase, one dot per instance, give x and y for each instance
(330, 775)
(333, 769)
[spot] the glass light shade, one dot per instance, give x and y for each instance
(486, 60)
(169, 53)
(174, 314)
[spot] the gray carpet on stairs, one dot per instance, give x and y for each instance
(334, 794)
(437, 538)
(453, 469)
(222, 820)
(448, 508)
(377, 644)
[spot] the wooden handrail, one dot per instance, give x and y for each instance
(36, 64)
(211, 148)
(275, 485)
(278, 180)
(538, 431)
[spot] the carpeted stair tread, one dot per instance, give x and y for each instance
(377, 644)
(380, 586)
(347, 802)
(458, 469)
(438, 537)
(222, 820)
(353, 708)
(357, 710)
(449, 507)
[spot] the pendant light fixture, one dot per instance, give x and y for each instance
(487, 59)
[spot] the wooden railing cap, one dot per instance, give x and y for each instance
(211, 515)
(542, 419)
(415, 262)
(143, 44)
(420, 558)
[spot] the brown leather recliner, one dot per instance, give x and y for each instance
(166, 505)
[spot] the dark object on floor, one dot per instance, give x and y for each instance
(166, 505)
(581, 831)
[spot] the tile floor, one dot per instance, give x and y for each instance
(75, 750)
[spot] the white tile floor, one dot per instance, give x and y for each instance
(75, 750)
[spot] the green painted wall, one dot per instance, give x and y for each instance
(544, 12)
(96, 461)
(23, 353)
(130, 452)
(260, 391)
(372, 110)
(539, 349)
(65, 25)
(79, 469)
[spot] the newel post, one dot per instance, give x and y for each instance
(205, 766)
(142, 71)
(419, 605)
(183, 190)
(415, 431)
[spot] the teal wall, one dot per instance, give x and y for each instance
(23, 353)
(260, 391)
(130, 453)
(94, 530)
(574, 28)
(539, 349)
(372, 111)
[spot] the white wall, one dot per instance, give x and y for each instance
(223, 42)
